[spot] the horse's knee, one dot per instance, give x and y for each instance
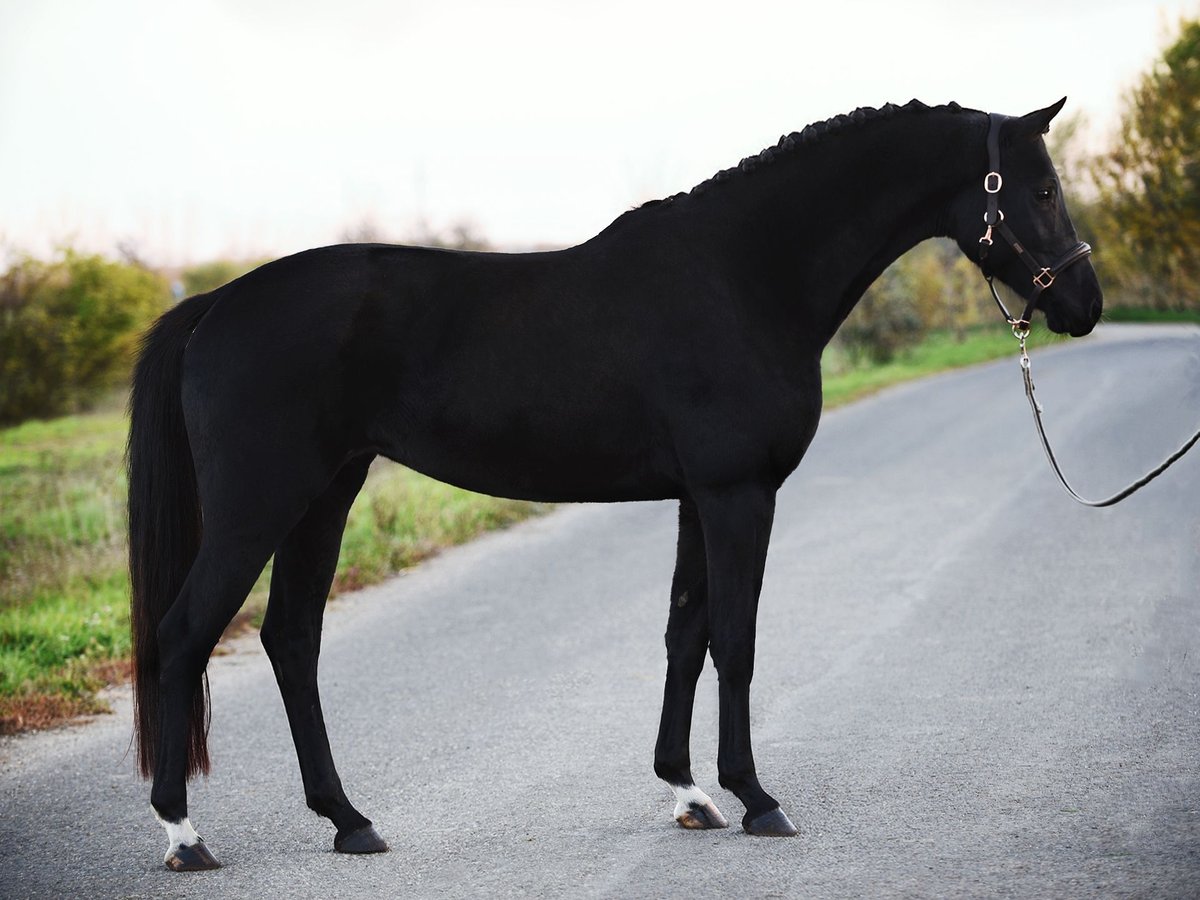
(686, 663)
(734, 663)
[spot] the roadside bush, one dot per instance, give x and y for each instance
(68, 329)
(204, 277)
(887, 319)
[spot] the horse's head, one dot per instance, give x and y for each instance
(1017, 227)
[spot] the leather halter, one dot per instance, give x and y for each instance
(1043, 277)
(993, 218)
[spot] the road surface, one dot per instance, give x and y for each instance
(966, 685)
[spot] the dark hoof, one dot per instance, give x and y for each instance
(361, 840)
(773, 823)
(195, 858)
(701, 816)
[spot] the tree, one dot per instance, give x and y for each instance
(1149, 183)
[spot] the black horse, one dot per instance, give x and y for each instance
(674, 355)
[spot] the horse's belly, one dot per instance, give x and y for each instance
(541, 457)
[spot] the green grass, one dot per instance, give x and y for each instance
(64, 593)
(939, 351)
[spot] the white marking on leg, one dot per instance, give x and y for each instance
(694, 809)
(179, 834)
(686, 795)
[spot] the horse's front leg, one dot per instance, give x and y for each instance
(687, 645)
(737, 529)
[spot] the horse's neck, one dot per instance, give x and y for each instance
(819, 228)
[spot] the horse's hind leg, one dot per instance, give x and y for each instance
(304, 568)
(687, 644)
(239, 537)
(252, 494)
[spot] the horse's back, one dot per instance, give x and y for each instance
(595, 373)
(519, 374)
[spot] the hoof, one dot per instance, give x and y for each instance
(194, 858)
(773, 823)
(698, 816)
(695, 810)
(361, 840)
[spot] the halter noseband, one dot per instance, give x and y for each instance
(993, 218)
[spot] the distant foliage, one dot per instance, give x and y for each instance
(68, 329)
(932, 287)
(1147, 216)
(204, 277)
(885, 321)
(461, 235)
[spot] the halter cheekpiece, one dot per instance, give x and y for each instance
(993, 219)
(1043, 277)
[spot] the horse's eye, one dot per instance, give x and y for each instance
(1044, 195)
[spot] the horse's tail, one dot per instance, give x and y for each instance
(164, 521)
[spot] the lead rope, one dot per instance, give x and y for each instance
(1043, 278)
(1021, 334)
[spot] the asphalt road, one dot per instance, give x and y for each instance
(966, 685)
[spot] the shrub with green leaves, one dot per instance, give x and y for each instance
(68, 330)
(886, 320)
(204, 277)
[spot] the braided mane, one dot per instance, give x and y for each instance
(815, 133)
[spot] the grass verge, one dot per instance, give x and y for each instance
(938, 352)
(64, 593)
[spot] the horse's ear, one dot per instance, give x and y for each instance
(1035, 123)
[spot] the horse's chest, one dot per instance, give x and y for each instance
(758, 434)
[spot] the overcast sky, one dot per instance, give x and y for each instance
(261, 127)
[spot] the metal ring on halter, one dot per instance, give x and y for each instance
(1044, 278)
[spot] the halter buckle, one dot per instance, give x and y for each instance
(1044, 278)
(987, 182)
